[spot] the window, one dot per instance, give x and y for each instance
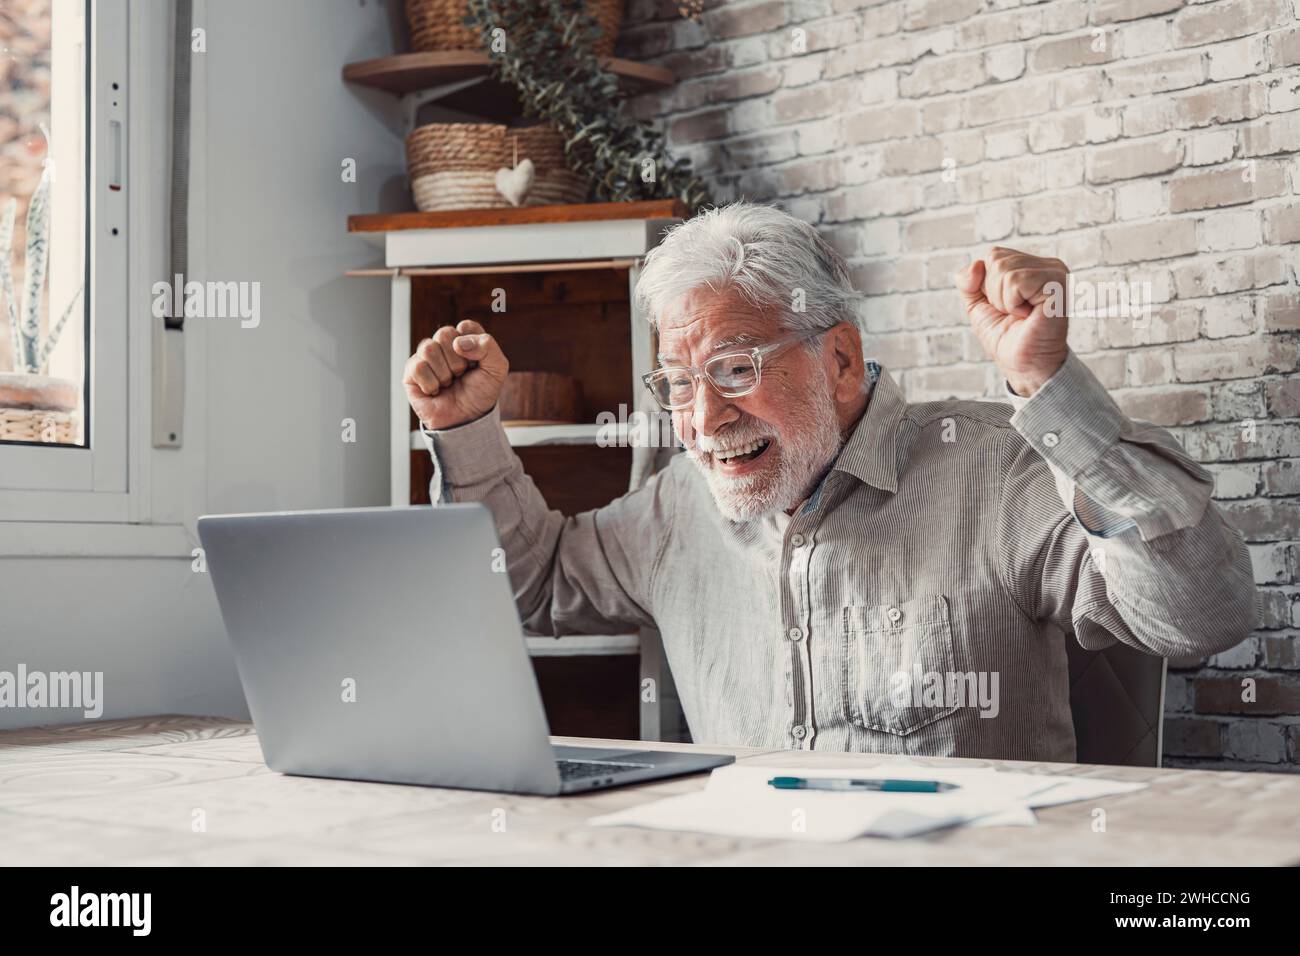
(64, 174)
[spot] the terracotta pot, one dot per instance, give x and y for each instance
(20, 390)
(540, 398)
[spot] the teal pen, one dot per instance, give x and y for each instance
(849, 784)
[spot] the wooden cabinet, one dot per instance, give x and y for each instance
(553, 284)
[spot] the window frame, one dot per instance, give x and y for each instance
(93, 483)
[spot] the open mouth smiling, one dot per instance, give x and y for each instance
(740, 457)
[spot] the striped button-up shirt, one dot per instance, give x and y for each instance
(919, 600)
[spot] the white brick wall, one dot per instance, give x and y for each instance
(1139, 140)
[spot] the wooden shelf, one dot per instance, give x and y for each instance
(412, 72)
(526, 435)
(520, 215)
(584, 645)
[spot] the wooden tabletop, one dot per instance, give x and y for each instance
(193, 790)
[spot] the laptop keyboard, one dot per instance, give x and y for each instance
(580, 769)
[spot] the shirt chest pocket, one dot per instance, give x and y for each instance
(894, 655)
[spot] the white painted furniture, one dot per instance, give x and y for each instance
(528, 239)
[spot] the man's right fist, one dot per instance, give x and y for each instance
(456, 376)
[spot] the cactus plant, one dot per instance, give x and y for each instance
(29, 353)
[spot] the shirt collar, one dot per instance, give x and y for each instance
(871, 454)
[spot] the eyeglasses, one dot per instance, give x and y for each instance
(732, 374)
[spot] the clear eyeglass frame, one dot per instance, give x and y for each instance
(654, 381)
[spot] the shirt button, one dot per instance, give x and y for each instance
(796, 633)
(799, 731)
(796, 540)
(894, 615)
(1051, 439)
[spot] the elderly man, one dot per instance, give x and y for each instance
(828, 564)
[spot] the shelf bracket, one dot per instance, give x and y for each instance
(412, 102)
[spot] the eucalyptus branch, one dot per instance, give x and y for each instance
(548, 58)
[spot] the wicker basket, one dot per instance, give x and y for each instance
(38, 408)
(454, 166)
(38, 424)
(437, 25)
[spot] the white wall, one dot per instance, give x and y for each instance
(274, 121)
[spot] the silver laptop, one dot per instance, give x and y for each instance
(381, 644)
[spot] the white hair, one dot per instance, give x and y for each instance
(772, 259)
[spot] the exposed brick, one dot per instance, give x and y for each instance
(1239, 183)
(881, 123)
(1067, 52)
(709, 124)
(1163, 324)
(1285, 48)
(1223, 695)
(1011, 101)
(1231, 18)
(738, 86)
(1241, 481)
(807, 102)
(943, 232)
(1131, 160)
(1174, 405)
(1148, 241)
(1228, 316)
(1241, 271)
(1281, 652)
(1211, 148)
(1238, 58)
(1140, 200)
(1274, 609)
(923, 14)
(738, 20)
(1174, 72)
(1276, 134)
(1219, 104)
(949, 74)
(812, 175)
(1283, 398)
(1228, 442)
(1265, 520)
(1225, 359)
(1281, 477)
(1192, 737)
(953, 381)
(1237, 401)
(1281, 312)
(1065, 130)
(1255, 741)
(1057, 212)
(1282, 224)
(1150, 366)
(1112, 11)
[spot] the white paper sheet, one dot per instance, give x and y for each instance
(739, 802)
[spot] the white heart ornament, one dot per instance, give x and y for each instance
(515, 183)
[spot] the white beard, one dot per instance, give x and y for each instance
(813, 442)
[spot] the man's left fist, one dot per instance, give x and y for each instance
(1007, 298)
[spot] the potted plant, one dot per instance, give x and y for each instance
(34, 406)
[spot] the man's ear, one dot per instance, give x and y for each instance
(849, 369)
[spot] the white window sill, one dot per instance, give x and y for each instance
(40, 539)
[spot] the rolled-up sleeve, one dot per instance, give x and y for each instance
(1111, 528)
(591, 573)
